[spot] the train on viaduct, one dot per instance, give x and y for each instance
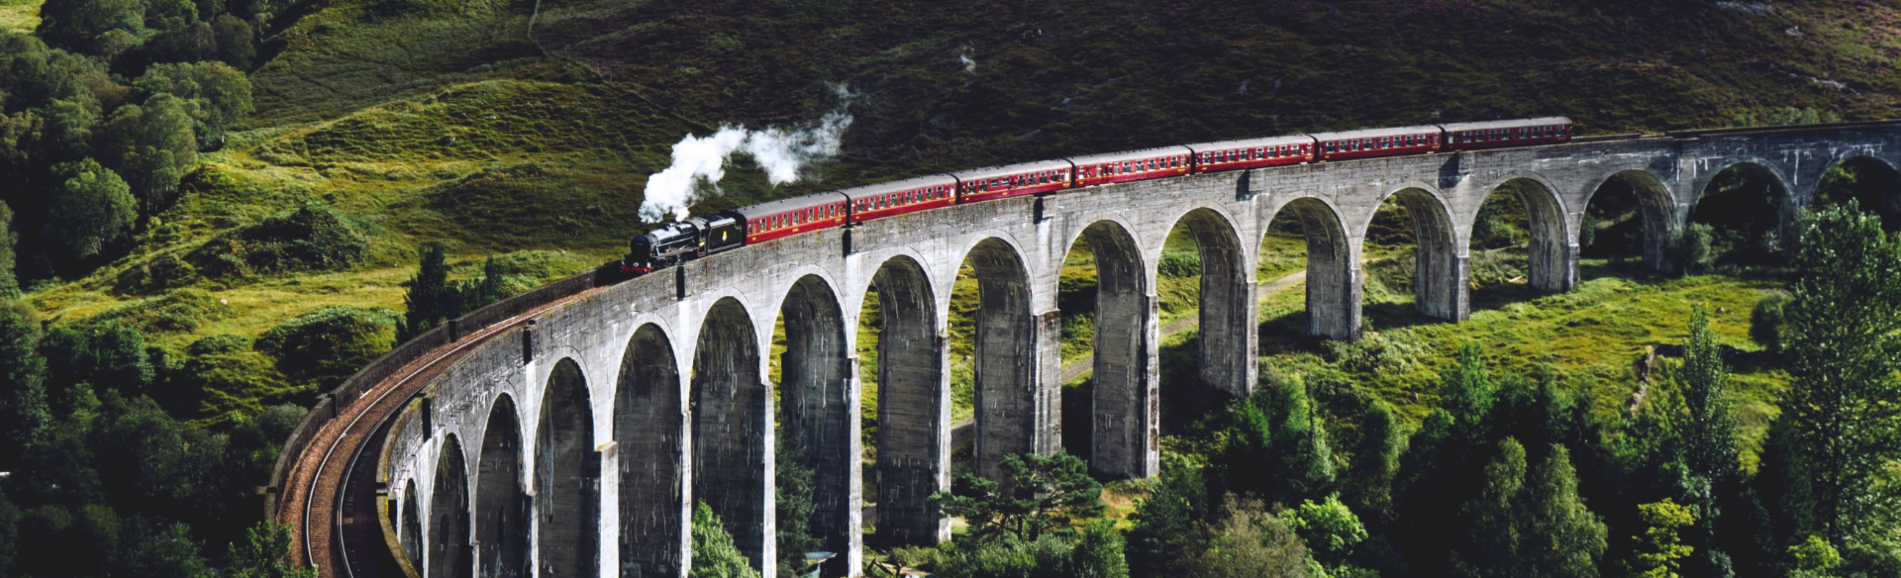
(568, 431)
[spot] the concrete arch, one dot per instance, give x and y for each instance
(1785, 205)
(913, 406)
(1227, 309)
(567, 477)
(1552, 251)
(1888, 204)
(816, 418)
(1008, 396)
(1333, 269)
(1125, 370)
(1439, 273)
(1657, 207)
(501, 507)
(449, 555)
(649, 421)
(732, 425)
(410, 525)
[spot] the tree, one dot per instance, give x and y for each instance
(1662, 548)
(1165, 522)
(1044, 493)
(91, 208)
(1709, 431)
(1765, 321)
(237, 44)
(1842, 413)
(795, 508)
(1098, 553)
(1529, 523)
(152, 145)
(23, 411)
(1300, 453)
(214, 94)
(1369, 482)
(167, 551)
(714, 555)
(9, 284)
(1448, 452)
(430, 300)
(1247, 542)
(265, 553)
(84, 25)
(1329, 529)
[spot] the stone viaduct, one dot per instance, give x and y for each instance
(575, 443)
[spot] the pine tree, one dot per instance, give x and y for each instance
(1443, 458)
(795, 509)
(1564, 538)
(1301, 458)
(1709, 432)
(1491, 548)
(1369, 484)
(714, 555)
(1165, 522)
(430, 301)
(1842, 412)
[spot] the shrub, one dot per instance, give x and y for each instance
(714, 555)
(315, 237)
(328, 345)
(1691, 248)
(91, 208)
(181, 311)
(1765, 321)
(160, 273)
(1328, 528)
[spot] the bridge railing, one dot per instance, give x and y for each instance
(329, 404)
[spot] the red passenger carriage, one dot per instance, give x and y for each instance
(1252, 153)
(1378, 142)
(793, 216)
(1507, 133)
(1012, 180)
(1132, 165)
(897, 198)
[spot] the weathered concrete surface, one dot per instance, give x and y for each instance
(673, 364)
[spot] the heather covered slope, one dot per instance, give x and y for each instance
(961, 82)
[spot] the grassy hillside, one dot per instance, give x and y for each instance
(426, 120)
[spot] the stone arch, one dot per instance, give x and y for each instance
(732, 418)
(1124, 365)
(410, 526)
(1227, 306)
(449, 555)
(913, 406)
(1008, 397)
(1783, 206)
(1439, 272)
(1552, 252)
(1656, 206)
(1885, 176)
(567, 476)
(1333, 270)
(501, 507)
(815, 404)
(648, 422)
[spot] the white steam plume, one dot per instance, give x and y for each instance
(781, 152)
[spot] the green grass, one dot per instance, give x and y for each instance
(20, 15)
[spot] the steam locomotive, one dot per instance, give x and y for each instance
(697, 237)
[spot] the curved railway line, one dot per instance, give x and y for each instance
(330, 496)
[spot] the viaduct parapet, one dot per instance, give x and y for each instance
(574, 441)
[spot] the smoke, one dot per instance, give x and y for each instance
(700, 162)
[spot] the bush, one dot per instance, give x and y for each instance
(1691, 249)
(315, 237)
(714, 555)
(91, 208)
(181, 311)
(1765, 321)
(328, 345)
(161, 273)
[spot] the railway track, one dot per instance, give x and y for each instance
(330, 497)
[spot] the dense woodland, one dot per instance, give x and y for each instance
(217, 209)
